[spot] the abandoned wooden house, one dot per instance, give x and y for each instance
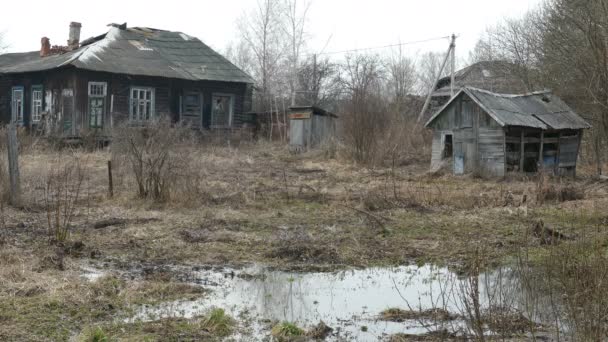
(493, 134)
(495, 76)
(129, 74)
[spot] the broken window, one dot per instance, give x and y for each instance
(36, 103)
(191, 104)
(221, 115)
(17, 105)
(97, 103)
(142, 104)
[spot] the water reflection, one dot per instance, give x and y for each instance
(345, 300)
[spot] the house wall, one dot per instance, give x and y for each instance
(66, 97)
(477, 140)
(57, 89)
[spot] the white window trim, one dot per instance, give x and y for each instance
(103, 84)
(230, 114)
(39, 88)
(17, 117)
(104, 94)
(152, 103)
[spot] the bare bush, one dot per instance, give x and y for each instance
(364, 119)
(63, 189)
(154, 154)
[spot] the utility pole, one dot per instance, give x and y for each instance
(445, 61)
(453, 47)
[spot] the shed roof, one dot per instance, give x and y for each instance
(315, 110)
(136, 51)
(538, 110)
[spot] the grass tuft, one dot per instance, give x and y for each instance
(285, 331)
(218, 323)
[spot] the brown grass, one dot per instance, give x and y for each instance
(260, 203)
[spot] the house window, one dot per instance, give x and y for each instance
(222, 111)
(36, 103)
(97, 103)
(142, 104)
(17, 105)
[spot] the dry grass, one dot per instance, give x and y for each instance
(259, 203)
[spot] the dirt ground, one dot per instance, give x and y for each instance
(258, 204)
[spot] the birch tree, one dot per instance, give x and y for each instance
(294, 27)
(261, 29)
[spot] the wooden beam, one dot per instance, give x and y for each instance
(556, 166)
(13, 164)
(521, 152)
(540, 152)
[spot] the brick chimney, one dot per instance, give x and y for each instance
(45, 47)
(74, 39)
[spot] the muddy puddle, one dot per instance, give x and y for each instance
(348, 301)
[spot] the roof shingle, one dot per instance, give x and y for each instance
(136, 51)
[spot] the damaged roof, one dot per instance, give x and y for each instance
(136, 51)
(496, 76)
(538, 110)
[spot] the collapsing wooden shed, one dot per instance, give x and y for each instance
(310, 127)
(493, 134)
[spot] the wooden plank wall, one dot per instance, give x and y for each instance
(58, 83)
(568, 150)
(437, 150)
(491, 151)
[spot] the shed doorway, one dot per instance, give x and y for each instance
(448, 148)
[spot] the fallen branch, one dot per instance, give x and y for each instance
(548, 235)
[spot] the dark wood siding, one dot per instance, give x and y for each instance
(67, 91)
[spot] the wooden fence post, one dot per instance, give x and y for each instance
(13, 164)
(110, 183)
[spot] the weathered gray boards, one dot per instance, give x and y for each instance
(310, 127)
(493, 134)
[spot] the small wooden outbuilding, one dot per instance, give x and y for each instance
(310, 126)
(493, 134)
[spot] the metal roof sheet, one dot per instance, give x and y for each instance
(136, 51)
(538, 110)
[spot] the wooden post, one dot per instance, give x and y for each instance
(521, 152)
(540, 152)
(110, 183)
(13, 164)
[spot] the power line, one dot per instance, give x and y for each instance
(380, 47)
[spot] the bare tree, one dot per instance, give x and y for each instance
(401, 78)
(429, 66)
(239, 53)
(573, 59)
(319, 82)
(515, 41)
(261, 29)
(364, 110)
(3, 44)
(295, 13)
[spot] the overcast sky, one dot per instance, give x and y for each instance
(333, 24)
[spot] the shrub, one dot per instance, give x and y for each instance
(62, 191)
(154, 154)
